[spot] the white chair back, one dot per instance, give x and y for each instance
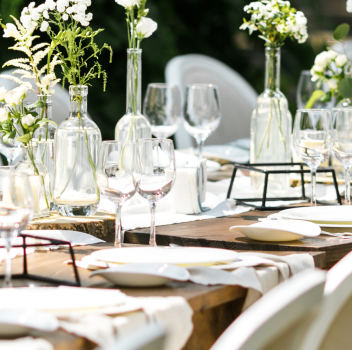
(237, 97)
(280, 318)
(332, 328)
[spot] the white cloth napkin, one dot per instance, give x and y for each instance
(27, 343)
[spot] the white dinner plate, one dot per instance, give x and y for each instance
(60, 299)
(15, 323)
(337, 214)
(226, 152)
(143, 275)
(183, 256)
(279, 230)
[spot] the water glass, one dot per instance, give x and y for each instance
(162, 107)
(342, 143)
(201, 112)
(117, 177)
(16, 208)
(156, 159)
(312, 139)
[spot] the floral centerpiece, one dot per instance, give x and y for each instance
(133, 125)
(275, 21)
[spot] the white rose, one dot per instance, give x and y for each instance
(127, 3)
(341, 60)
(3, 91)
(332, 83)
(28, 119)
(332, 54)
(3, 114)
(11, 31)
(146, 27)
(16, 95)
(44, 26)
(322, 59)
(318, 69)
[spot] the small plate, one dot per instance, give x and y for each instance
(279, 230)
(143, 275)
(15, 323)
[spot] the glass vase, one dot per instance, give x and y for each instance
(44, 138)
(77, 145)
(38, 180)
(133, 125)
(271, 125)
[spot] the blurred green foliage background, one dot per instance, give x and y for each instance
(191, 26)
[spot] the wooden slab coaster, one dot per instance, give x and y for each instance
(100, 225)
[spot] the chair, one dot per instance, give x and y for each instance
(332, 328)
(280, 318)
(237, 97)
(150, 337)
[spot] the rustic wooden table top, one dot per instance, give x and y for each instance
(215, 233)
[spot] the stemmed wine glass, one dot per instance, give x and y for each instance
(116, 175)
(312, 139)
(16, 209)
(342, 143)
(156, 159)
(201, 112)
(162, 107)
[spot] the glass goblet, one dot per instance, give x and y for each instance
(162, 106)
(156, 159)
(201, 112)
(116, 174)
(312, 139)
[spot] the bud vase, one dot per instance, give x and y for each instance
(38, 179)
(77, 145)
(271, 125)
(133, 125)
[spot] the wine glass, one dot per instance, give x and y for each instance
(305, 89)
(201, 112)
(312, 139)
(162, 106)
(16, 209)
(116, 175)
(342, 143)
(156, 159)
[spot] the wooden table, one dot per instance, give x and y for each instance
(214, 307)
(215, 233)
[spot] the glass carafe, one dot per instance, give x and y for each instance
(77, 145)
(133, 125)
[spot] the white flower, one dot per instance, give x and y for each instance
(46, 14)
(65, 16)
(279, 28)
(44, 26)
(146, 27)
(341, 60)
(16, 95)
(127, 3)
(317, 68)
(11, 31)
(349, 6)
(322, 59)
(331, 54)
(3, 114)
(51, 4)
(3, 91)
(28, 119)
(332, 83)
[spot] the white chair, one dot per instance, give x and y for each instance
(332, 327)
(237, 97)
(150, 337)
(278, 320)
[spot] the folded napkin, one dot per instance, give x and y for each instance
(27, 343)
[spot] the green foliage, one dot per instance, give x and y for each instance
(345, 87)
(341, 31)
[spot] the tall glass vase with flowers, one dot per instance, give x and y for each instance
(133, 125)
(271, 120)
(78, 139)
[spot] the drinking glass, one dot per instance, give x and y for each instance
(342, 143)
(305, 89)
(201, 112)
(16, 208)
(312, 139)
(116, 175)
(157, 174)
(162, 107)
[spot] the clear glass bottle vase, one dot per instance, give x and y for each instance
(44, 138)
(38, 179)
(133, 125)
(271, 124)
(77, 145)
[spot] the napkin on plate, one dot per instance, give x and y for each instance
(27, 343)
